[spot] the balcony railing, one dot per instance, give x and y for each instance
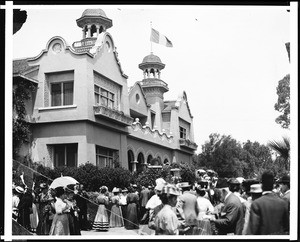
(112, 114)
(188, 144)
(155, 82)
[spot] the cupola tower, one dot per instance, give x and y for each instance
(92, 22)
(153, 87)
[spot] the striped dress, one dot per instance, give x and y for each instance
(101, 222)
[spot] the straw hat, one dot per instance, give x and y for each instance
(184, 184)
(19, 189)
(171, 190)
(115, 190)
(240, 179)
(159, 186)
(125, 190)
(43, 185)
(256, 188)
(160, 183)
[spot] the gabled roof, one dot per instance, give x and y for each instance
(21, 66)
(142, 91)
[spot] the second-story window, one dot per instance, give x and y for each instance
(62, 93)
(104, 97)
(182, 132)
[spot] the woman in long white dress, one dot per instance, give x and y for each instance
(101, 222)
(60, 223)
(116, 218)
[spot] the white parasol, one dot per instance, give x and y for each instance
(63, 181)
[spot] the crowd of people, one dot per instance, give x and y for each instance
(211, 206)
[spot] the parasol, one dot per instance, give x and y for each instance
(63, 181)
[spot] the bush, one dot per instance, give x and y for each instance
(149, 176)
(187, 173)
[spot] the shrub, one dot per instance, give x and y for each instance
(187, 173)
(149, 176)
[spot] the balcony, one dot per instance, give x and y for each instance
(113, 115)
(188, 144)
(154, 82)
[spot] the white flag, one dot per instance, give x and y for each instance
(158, 38)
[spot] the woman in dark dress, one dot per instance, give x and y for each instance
(73, 213)
(47, 217)
(132, 210)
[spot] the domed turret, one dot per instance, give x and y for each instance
(151, 64)
(152, 85)
(93, 22)
(94, 12)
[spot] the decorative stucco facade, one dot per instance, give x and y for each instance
(83, 112)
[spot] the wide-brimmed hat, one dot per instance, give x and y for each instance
(115, 190)
(19, 189)
(256, 188)
(183, 184)
(159, 186)
(233, 181)
(284, 179)
(240, 179)
(103, 188)
(43, 185)
(125, 190)
(134, 186)
(160, 183)
(170, 189)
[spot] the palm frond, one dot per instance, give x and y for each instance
(282, 147)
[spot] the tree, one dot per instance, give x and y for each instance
(21, 128)
(283, 102)
(222, 154)
(257, 157)
(229, 158)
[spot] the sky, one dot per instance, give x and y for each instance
(228, 60)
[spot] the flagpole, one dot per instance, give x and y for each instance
(150, 35)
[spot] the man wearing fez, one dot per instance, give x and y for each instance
(269, 213)
(231, 220)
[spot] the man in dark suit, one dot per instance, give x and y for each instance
(187, 205)
(231, 219)
(144, 197)
(284, 183)
(269, 213)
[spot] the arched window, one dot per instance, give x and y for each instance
(141, 162)
(130, 156)
(149, 159)
(159, 160)
(101, 29)
(93, 31)
(166, 162)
